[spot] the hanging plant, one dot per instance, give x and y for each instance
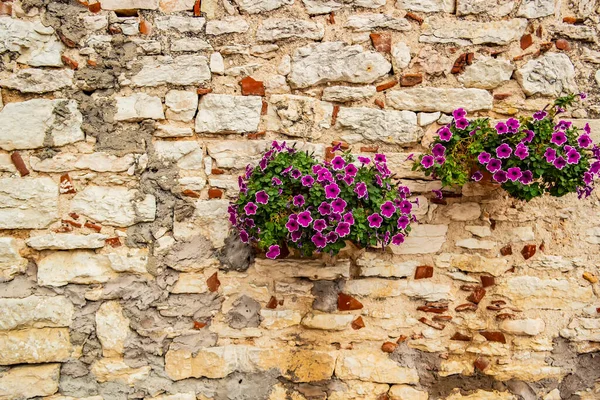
(292, 200)
(528, 157)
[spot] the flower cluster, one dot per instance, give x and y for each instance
(292, 199)
(528, 156)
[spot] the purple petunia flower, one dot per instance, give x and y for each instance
(364, 160)
(512, 124)
(560, 162)
(403, 222)
(250, 208)
(540, 115)
(324, 208)
(405, 207)
(398, 239)
(494, 165)
(595, 167)
(273, 252)
(558, 138)
(332, 191)
(445, 134)
(244, 236)
(262, 197)
(338, 163)
(296, 235)
(459, 113)
(584, 141)
(583, 95)
(438, 150)
(249, 222)
(351, 170)
(263, 164)
(427, 161)
(276, 181)
(343, 229)
(349, 180)
(526, 178)
(500, 176)
(438, 193)
(292, 225)
(588, 178)
(249, 171)
(529, 136)
(477, 175)
(319, 240)
(338, 205)
(242, 185)
(522, 151)
(380, 158)
(375, 220)
(563, 125)
(332, 237)
(503, 151)
(335, 217)
(573, 157)
(319, 225)
(484, 157)
(440, 160)
(307, 181)
(514, 173)
(299, 200)
(461, 123)
(287, 170)
(296, 174)
(361, 190)
(378, 180)
(336, 147)
(587, 128)
(304, 219)
(550, 154)
(501, 128)
(387, 209)
(349, 218)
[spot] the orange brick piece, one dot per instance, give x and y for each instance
(252, 87)
(347, 302)
(382, 42)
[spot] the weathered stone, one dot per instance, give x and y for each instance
(577, 32)
(25, 382)
(476, 244)
(33, 346)
(557, 263)
(482, 395)
(169, 131)
(334, 322)
(112, 328)
(30, 203)
(315, 7)
(423, 239)
(116, 370)
(138, 107)
(115, 206)
(552, 74)
(373, 367)
(298, 116)
(180, 24)
(313, 270)
(463, 211)
(37, 44)
(335, 62)
(530, 327)
(98, 162)
(369, 22)
(187, 153)
(34, 80)
(37, 123)
(259, 6)
(552, 294)
(181, 105)
(496, 8)
(279, 319)
(129, 4)
(405, 392)
(372, 264)
(582, 330)
(183, 70)
(190, 45)
(344, 94)
(227, 25)
(439, 30)
(440, 99)
(221, 113)
(380, 288)
(35, 312)
(400, 56)
(389, 126)
(480, 231)
(472, 263)
(536, 8)
(427, 5)
(487, 73)
(170, 6)
(273, 29)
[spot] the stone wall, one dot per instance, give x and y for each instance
(124, 125)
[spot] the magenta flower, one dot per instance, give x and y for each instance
(477, 175)
(563, 125)
(461, 123)
(484, 157)
(387, 209)
(349, 180)
(361, 190)
(276, 181)
(263, 164)
(529, 136)
(405, 207)
(244, 236)
(560, 162)
(262, 197)
(364, 160)
(459, 113)
(304, 219)
(494, 165)
(336, 147)
(573, 157)
(501, 128)
(287, 170)
(584, 141)
(332, 191)
(335, 217)
(512, 124)
(273, 252)
(316, 168)
(319, 225)
(319, 240)
(514, 173)
(526, 177)
(296, 235)
(503, 151)
(332, 237)
(249, 222)
(338, 163)
(324, 175)
(299, 200)
(550, 154)
(351, 170)
(338, 205)
(427, 161)
(500, 176)
(595, 167)
(540, 115)
(292, 224)
(438, 150)
(583, 95)
(445, 134)
(250, 208)
(522, 152)
(440, 160)
(324, 208)
(380, 158)
(587, 128)
(343, 229)
(558, 138)
(375, 220)
(349, 218)
(398, 239)
(588, 178)
(307, 181)
(296, 174)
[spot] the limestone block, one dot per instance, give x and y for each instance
(35, 312)
(274, 29)
(373, 366)
(221, 113)
(389, 126)
(259, 6)
(34, 346)
(25, 382)
(552, 74)
(138, 107)
(28, 203)
(11, 262)
(440, 30)
(183, 71)
(34, 80)
(440, 99)
(37, 44)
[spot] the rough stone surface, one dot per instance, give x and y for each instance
(182, 70)
(487, 74)
(497, 8)
(437, 30)
(138, 107)
(315, 7)
(285, 28)
(436, 99)
(33, 80)
(258, 6)
(344, 94)
(35, 312)
(299, 116)
(550, 75)
(28, 203)
(368, 22)
(29, 381)
(398, 127)
(35, 43)
(218, 113)
(427, 5)
(34, 346)
(536, 8)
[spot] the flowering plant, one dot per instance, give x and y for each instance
(291, 199)
(528, 156)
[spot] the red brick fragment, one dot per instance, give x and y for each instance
(272, 304)
(69, 62)
(411, 79)
(469, 287)
(477, 295)
(379, 103)
(190, 193)
(414, 17)
(492, 336)
(217, 171)
(563, 44)
(382, 42)
(145, 27)
(199, 325)
(358, 323)
(598, 310)
(66, 185)
(401, 339)
(544, 47)
(331, 18)
(501, 96)
(5, 8)
(539, 31)
(506, 250)
(526, 41)
(95, 7)
(252, 87)
(388, 347)
(66, 41)
(347, 302)
(432, 324)
(569, 20)
(214, 193)
(528, 251)
(203, 91)
(113, 241)
(435, 310)
(385, 86)
(92, 63)
(487, 281)
(265, 108)
(115, 30)
(329, 154)
(72, 223)
(197, 7)
(423, 272)
(466, 307)
(503, 316)
(461, 62)
(74, 215)
(481, 363)
(369, 149)
(256, 135)
(343, 145)
(19, 163)
(461, 337)
(93, 226)
(280, 302)
(213, 283)
(542, 247)
(442, 318)
(334, 114)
